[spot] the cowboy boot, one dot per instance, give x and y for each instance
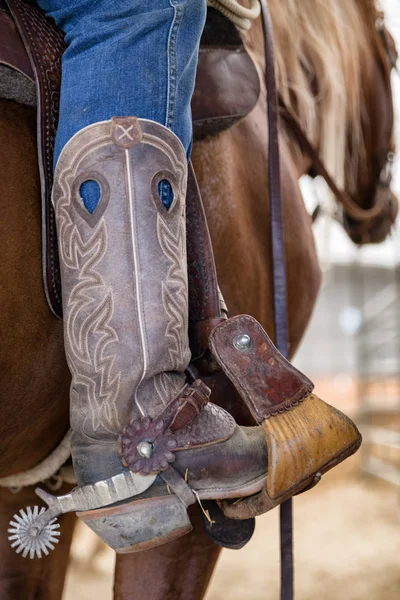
(145, 443)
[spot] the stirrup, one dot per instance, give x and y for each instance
(305, 436)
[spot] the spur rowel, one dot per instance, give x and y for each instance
(33, 533)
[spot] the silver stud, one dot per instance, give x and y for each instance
(390, 157)
(145, 449)
(379, 24)
(242, 342)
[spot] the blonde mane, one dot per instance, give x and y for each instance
(322, 51)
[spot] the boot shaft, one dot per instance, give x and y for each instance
(124, 273)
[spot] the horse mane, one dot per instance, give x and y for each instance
(323, 48)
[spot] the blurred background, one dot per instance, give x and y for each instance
(347, 530)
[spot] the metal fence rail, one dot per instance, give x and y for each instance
(378, 349)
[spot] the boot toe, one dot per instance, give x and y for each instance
(235, 467)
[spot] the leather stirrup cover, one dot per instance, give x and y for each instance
(305, 436)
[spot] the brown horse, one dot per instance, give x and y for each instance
(232, 174)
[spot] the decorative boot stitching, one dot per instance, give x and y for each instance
(175, 291)
(90, 312)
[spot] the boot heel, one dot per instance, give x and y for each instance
(139, 524)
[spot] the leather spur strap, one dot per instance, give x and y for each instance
(278, 274)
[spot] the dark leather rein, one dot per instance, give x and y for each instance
(278, 272)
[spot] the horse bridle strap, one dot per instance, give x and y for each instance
(352, 209)
(278, 273)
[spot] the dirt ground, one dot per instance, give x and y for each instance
(347, 547)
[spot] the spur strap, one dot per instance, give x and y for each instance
(278, 273)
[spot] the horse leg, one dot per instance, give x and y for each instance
(180, 570)
(22, 578)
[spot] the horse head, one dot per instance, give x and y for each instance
(377, 120)
(334, 82)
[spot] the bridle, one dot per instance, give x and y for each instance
(352, 209)
(381, 205)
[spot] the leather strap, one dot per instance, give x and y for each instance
(179, 486)
(278, 274)
(45, 45)
(275, 198)
(352, 209)
(267, 382)
(204, 297)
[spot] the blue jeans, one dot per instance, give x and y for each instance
(127, 57)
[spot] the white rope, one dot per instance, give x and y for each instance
(240, 16)
(44, 470)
